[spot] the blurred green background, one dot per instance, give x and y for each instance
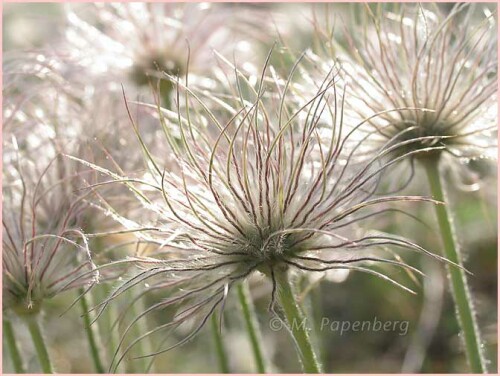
(431, 343)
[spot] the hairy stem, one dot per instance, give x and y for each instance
(10, 339)
(298, 324)
(252, 326)
(219, 346)
(39, 342)
(91, 338)
(457, 277)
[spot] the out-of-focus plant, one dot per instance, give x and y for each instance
(134, 44)
(46, 211)
(44, 250)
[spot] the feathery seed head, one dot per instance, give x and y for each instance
(44, 208)
(273, 188)
(136, 42)
(444, 66)
(44, 249)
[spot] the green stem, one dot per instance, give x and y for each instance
(457, 277)
(38, 341)
(142, 347)
(219, 346)
(105, 322)
(165, 100)
(317, 315)
(252, 326)
(298, 323)
(10, 339)
(94, 350)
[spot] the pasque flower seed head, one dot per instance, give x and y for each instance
(268, 191)
(441, 65)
